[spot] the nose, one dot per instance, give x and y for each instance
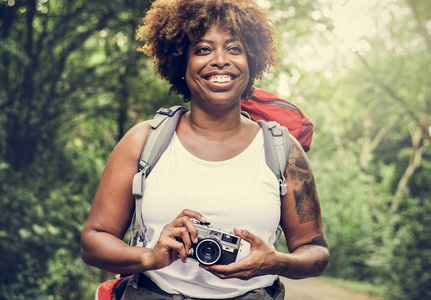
(220, 59)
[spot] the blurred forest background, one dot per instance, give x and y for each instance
(72, 83)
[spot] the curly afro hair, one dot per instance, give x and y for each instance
(170, 26)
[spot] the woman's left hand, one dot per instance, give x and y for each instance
(260, 261)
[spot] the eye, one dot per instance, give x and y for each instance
(203, 50)
(235, 50)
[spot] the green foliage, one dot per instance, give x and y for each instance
(411, 259)
(26, 238)
(41, 223)
(365, 119)
(348, 218)
(61, 115)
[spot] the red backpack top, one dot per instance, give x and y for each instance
(267, 106)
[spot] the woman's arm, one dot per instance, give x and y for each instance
(112, 208)
(301, 222)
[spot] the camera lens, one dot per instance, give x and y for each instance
(208, 251)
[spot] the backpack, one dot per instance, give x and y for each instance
(267, 106)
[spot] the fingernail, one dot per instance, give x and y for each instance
(203, 219)
(237, 229)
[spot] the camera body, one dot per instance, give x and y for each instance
(215, 246)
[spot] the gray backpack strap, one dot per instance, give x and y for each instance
(277, 147)
(162, 129)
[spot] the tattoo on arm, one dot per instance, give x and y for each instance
(320, 264)
(304, 189)
(307, 206)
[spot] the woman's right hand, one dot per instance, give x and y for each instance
(169, 246)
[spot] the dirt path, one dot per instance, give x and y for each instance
(318, 289)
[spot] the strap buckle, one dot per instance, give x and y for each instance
(165, 111)
(169, 111)
(283, 186)
(138, 185)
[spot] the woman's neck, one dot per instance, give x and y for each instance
(217, 122)
(216, 136)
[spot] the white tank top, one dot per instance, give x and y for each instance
(239, 192)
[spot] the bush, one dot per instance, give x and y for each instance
(411, 260)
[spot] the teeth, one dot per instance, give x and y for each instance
(220, 79)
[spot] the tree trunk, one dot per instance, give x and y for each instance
(414, 163)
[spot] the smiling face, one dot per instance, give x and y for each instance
(217, 68)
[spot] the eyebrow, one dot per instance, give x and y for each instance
(211, 42)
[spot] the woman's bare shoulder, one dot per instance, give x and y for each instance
(297, 157)
(133, 141)
(138, 132)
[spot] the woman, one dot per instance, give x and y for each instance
(210, 51)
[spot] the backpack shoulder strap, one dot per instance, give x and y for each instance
(277, 147)
(162, 129)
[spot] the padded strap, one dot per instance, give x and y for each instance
(277, 147)
(162, 129)
(138, 229)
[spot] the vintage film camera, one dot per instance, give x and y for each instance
(217, 247)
